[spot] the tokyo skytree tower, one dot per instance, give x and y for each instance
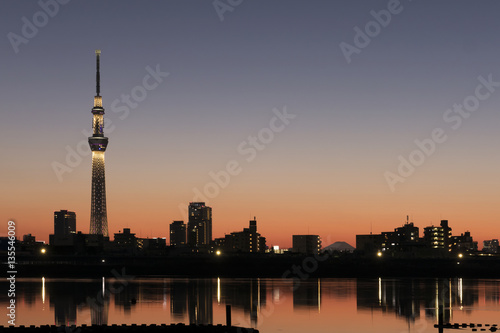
(98, 143)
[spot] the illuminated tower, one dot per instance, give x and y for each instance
(98, 143)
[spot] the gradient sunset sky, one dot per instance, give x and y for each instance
(323, 173)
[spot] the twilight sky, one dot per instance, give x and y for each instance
(321, 169)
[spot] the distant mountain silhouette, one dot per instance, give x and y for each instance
(339, 246)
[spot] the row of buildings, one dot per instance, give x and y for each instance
(193, 237)
(246, 241)
(436, 240)
(196, 236)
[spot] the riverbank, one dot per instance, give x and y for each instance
(173, 328)
(271, 266)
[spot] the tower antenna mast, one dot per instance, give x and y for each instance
(98, 74)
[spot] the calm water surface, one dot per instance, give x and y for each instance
(271, 305)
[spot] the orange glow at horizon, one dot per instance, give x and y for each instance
(277, 221)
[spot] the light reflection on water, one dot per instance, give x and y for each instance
(348, 305)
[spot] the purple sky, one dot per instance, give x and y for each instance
(352, 121)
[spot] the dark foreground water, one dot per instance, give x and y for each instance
(271, 305)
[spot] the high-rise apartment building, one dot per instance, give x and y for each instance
(199, 228)
(64, 223)
(438, 237)
(64, 228)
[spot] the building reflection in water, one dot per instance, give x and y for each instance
(127, 297)
(307, 295)
(492, 292)
(193, 300)
(62, 299)
(199, 296)
(28, 292)
(68, 297)
(248, 295)
(450, 294)
(65, 296)
(178, 299)
(405, 298)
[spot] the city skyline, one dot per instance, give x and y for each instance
(273, 120)
(195, 235)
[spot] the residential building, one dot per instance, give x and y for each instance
(306, 244)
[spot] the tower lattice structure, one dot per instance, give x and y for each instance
(98, 143)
